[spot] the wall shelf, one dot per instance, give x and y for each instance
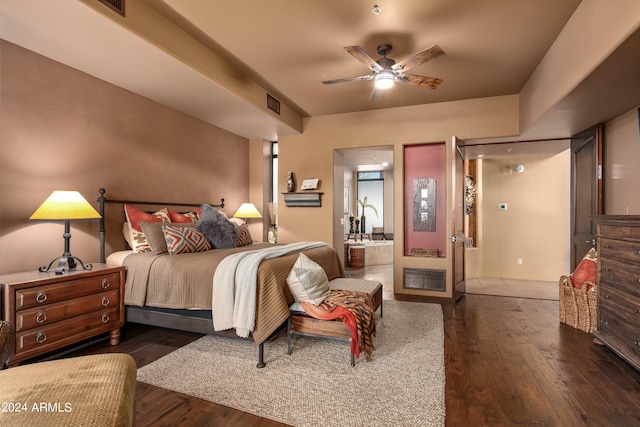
(303, 199)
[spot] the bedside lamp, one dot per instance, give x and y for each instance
(246, 211)
(65, 205)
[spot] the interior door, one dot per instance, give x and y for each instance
(586, 190)
(457, 218)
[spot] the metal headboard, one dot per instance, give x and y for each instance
(102, 200)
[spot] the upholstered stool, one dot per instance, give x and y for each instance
(300, 323)
(97, 390)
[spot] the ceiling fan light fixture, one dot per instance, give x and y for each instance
(384, 79)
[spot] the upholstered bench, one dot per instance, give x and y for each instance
(97, 390)
(300, 323)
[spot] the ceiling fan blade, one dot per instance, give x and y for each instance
(348, 79)
(362, 56)
(422, 81)
(433, 52)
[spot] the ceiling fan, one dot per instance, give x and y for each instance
(386, 71)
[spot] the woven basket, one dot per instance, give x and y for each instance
(7, 337)
(577, 306)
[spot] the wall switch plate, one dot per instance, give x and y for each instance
(502, 206)
(519, 261)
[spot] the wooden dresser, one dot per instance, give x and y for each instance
(618, 324)
(50, 311)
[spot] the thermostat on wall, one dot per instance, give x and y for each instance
(502, 206)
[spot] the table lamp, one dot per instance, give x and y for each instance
(65, 205)
(246, 211)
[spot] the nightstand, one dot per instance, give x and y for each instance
(50, 311)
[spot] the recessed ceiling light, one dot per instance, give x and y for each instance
(376, 9)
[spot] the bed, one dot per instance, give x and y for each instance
(175, 291)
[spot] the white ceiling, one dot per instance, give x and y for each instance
(289, 46)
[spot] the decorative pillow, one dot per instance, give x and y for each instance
(244, 237)
(182, 218)
(135, 215)
(218, 230)
(308, 282)
(184, 239)
(137, 240)
(155, 235)
(586, 270)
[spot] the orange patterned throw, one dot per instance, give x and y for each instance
(355, 309)
(585, 271)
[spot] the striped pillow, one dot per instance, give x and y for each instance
(244, 237)
(184, 240)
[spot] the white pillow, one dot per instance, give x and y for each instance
(308, 282)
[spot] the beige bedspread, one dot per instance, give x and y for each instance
(185, 281)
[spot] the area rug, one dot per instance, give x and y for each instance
(403, 384)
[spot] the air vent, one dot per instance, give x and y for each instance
(117, 5)
(422, 278)
(273, 104)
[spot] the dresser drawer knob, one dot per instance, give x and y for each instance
(604, 322)
(105, 283)
(605, 296)
(604, 269)
(637, 343)
(605, 246)
(41, 317)
(41, 337)
(636, 252)
(105, 318)
(105, 301)
(637, 279)
(41, 296)
(637, 311)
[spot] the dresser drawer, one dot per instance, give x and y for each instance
(616, 301)
(624, 333)
(620, 249)
(57, 334)
(620, 231)
(618, 274)
(42, 295)
(47, 314)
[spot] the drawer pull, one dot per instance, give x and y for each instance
(41, 317)
(636, 252)
(41, 296)
(637, 311)
(604, 269)
(605, 246)
(604, 322)
(637, 279)
(41, 337)
(605, 296)
(105, 318)
(105, 301)
(637, 343)
(105, 283)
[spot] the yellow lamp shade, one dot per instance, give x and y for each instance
(62, 205)
(247, 210)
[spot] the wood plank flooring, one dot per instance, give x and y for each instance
(509, 362)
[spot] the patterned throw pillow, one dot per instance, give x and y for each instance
(137, 239)
(184, 240)
(585, 271)
(182, 218)
(244, 237)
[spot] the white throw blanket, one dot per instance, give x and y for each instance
(234, 286)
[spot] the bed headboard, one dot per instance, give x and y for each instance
(102, 201)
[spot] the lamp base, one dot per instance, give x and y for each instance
(65, 263)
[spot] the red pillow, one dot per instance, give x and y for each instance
(179, 218)
(585, 271)
(135, 215)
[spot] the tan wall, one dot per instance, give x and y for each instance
(311, 155)
(622, 165)
(65, 130)
(535, 226)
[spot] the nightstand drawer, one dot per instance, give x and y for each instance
(42, 295)
(57, 334)
(40, 316)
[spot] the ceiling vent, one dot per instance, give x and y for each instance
(117, 5)
(273, 104)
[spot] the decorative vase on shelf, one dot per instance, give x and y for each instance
(357, 225)
(272, 235)
(351, 230)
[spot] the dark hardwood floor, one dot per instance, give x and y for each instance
(508, 362)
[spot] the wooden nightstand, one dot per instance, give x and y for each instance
(50, 311)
